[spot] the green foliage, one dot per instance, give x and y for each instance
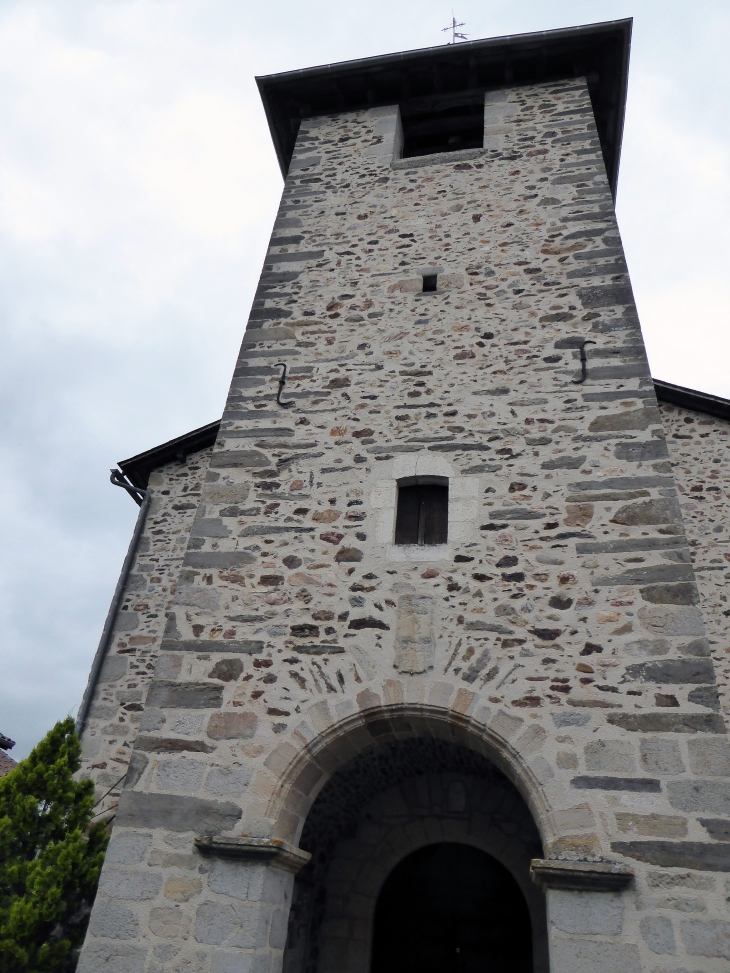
(50, 858)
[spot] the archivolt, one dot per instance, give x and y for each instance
(311, 767)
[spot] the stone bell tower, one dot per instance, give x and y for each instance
(434, 691)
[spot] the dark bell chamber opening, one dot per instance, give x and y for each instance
(447, 129)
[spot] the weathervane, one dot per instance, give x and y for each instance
(455, 35)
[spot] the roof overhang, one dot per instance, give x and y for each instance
(598, 52)
(138, 468)
(711, 405)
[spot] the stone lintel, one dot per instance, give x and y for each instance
(269, 851)
(580, 876)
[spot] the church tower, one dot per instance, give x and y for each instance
(434, 691)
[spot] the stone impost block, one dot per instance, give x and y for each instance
(580, 876)
(271, 851)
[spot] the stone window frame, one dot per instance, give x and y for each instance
(464, 493)
(412, 481)
(498, 106)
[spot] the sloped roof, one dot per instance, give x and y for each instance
(137, 468)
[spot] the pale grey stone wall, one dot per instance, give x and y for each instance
(698, 450)
(117, 709)
(567, 642)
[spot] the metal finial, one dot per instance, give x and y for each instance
(455, 35)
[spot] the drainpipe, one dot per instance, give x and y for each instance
(143, 498)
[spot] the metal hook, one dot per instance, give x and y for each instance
(583, 363)
(282, 383)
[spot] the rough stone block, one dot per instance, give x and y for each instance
(617, 756)
(114, 668)
(227, 781)
(709, 758)
(239, 725)
(672, 621)
(668, 722)
(706, 938)
(704, 856)
(179, 888)
(581, 956)
(659, 755)
(120, 883)
(169, 923)
(651, 825)
(586, 913)
(645, 785)
(175, 813)
(179, 776)
(228, 961)
(233, 878)
(215, 923)
(658, 935)
(672, 672)
(112, 957)
(185, 695)
(128, 847)
(113, 921)
(700, 796)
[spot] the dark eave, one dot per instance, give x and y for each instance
(6, 743)
(598, 52)
(137, 468)
(712, 405)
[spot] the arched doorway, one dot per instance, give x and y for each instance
(451, 908)
(387, 802)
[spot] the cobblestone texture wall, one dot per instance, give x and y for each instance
(558, 632)
(119, 698)
(698, 450)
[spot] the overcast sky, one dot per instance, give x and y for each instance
(137, 190)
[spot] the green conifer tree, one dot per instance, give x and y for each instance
(50, 858)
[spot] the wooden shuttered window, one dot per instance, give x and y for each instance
(423, 514)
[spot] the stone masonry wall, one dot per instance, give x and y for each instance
(558, 632)
(116, 712)
(698, 450)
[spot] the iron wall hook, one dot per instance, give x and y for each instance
(583, 363)
(282, 383)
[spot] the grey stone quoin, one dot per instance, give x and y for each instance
(297, 702)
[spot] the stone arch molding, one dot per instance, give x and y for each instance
(299, 768)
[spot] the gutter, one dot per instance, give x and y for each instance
(711, 405)
(143, 498)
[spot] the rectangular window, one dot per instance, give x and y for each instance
(442, 124)
(430, 283)
(422, 516)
